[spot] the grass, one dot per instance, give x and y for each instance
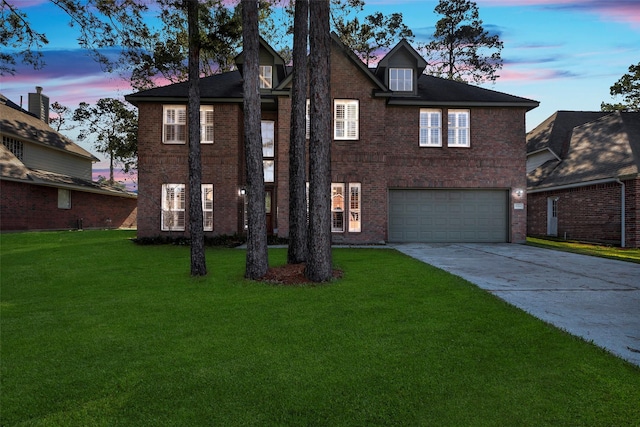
(99, 331)
(603, 251)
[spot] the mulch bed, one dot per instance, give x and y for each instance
(291, 274)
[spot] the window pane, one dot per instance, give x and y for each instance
(354, 208)
(337, 207)
(269, 170)
(430, 128)
(268, 138)
(173, 207)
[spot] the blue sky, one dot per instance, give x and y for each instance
(563, 53)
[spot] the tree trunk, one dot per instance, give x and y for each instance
(198, 261)
(297, 252)
(257, 262)
(319, 265)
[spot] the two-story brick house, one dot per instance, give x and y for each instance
(46, 179)
(414, 157)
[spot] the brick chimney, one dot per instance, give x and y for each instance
(39, 105)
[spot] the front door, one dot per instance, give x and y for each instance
(268, 207)
(552, 216)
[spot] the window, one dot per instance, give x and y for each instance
(207, 207)
(174, 124)
(354, 208)
(401, 79)
(173, 203)
(64, 199)
(430, 128)
(15, 146)
(268, 150)
(337, 207)
(266, 77)
(458, 128)
(206, 124)
(345, 119)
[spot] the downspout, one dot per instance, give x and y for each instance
(622, 214)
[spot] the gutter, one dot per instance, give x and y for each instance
(595, 182)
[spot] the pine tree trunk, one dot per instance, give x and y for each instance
(297, 252)
(257, 262)
(319, 265)
(198, 261)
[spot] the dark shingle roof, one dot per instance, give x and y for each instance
(223, 87)
(608, 147)
(555, 132)
(14, 121)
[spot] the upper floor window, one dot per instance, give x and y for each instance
(458, 125)
(174, 124)
(206, 124)
(15, 146)
(268, 150)
(266, 77)
(430, 128)
(401, 79)
(345, 117)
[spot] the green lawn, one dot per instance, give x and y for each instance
(98, 331)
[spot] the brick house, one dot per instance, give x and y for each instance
(414, 157)
(583, 177)
(46, 179)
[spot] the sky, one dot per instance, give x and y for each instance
(565, 54)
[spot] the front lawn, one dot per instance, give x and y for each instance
(98, 331)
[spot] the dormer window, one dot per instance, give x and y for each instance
(401, 79)
(266, 77)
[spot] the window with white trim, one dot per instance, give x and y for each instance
(207, 207)
(15, 146)
(64, 198)
(401, 79)
(355, 225)
(174, 124)
(266, 77)
(173, 207)
(430, 128)
(206, 124)
(268, 150)
(458, 128)
(337, 207)
(345, 117)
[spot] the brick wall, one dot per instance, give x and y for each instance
(160, 163)
(34, 207)
(590, 213)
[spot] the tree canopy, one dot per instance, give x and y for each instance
(627, 87)
(461, 48)
(113, 129)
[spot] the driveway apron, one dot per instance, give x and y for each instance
(594, 298)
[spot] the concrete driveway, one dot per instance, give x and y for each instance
(595, 298)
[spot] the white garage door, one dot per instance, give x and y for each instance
(448, 216)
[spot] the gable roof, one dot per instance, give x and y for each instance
(432, 91)
(402, 46)
(605, 148)
(18, 123)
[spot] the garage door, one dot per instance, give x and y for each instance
(448, 216)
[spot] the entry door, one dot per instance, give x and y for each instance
(552, 216)
(268, 207)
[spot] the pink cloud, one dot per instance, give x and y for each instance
(615, 10)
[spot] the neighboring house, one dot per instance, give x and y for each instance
(415, 158)
(583, 180)
(45, 178)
